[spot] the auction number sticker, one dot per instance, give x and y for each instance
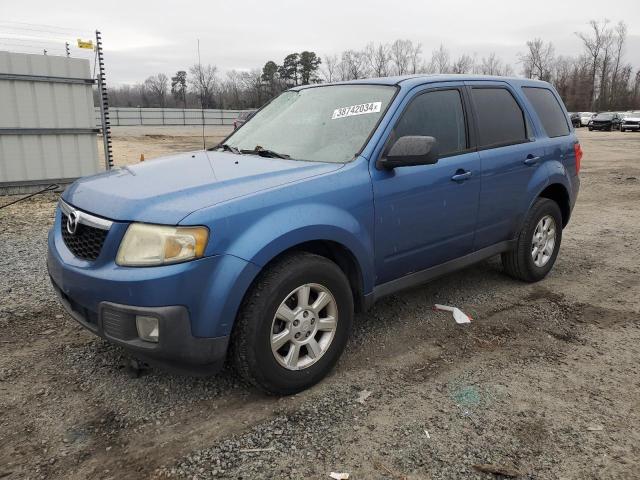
(363, 108)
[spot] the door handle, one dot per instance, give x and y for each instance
(461, 176)
(531, 160)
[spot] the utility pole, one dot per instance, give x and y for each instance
(204, 145)
(104, 104)
(66, 47)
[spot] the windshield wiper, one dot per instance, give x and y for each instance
(227, 148)
(264, 152)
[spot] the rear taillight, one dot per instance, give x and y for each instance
(578, 151)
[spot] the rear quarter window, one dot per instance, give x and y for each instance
(549, 111)
(500, 119)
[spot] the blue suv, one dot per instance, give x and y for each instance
(259, 250)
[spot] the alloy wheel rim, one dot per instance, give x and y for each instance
(304, 326)
(544, 241)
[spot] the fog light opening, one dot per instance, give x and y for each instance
(147, 328)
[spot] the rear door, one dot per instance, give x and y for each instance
(509, 157)
(426, 214)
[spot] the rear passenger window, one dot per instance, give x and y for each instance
(436, 114)
(500, 118)
(549, 111)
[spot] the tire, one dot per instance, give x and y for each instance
(519, 263)
(280, 287)
(622, 129)
(591, 129)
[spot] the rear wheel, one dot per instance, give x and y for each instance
(537, 244)
(293, 325)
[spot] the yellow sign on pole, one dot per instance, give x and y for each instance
(85, 44)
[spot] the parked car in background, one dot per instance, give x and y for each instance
(607, 121)
(243, 118)
(575, 119)
(631, 121)
(260, 250)
(585, 118)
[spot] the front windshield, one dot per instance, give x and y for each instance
(321, 124)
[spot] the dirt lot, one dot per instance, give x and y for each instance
(131, 142)
(544, 381)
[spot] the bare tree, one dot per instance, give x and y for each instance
(594, 44)
(400, 54)
(353, 65)
(561, 71)
(203, 82)
(329, 69)
(252, 83)
(600, 78)
(507, 71)
(378, 58)
(232, 85)
(415, 58)
(537, 62)
(157, 87)
(635, 91)
(464, 64)
(440, 60)
(491, 65)
(617, 86)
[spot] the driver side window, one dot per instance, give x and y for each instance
(437, 114)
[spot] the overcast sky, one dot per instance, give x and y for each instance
(144, 37)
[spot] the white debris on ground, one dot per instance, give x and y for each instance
(458, 315)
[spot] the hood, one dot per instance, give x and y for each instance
(632, 118)
(168, 189)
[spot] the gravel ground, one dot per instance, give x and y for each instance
(544, 381)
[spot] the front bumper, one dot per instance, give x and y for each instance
(631, 126)
(602, 126)
(195, 302)
(177, 349)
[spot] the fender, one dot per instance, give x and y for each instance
(553, 172)
(289, 228)
(558, 173)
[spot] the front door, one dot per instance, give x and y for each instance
(426, 214)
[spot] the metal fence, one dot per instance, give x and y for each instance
(47, 125)
(125, 116)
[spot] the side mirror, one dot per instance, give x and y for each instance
(410, 150)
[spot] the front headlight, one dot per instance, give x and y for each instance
(145, 245)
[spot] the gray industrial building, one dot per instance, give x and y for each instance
(47, 121)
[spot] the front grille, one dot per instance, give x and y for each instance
(86, 242)
(628, 122)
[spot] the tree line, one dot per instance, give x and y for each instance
(597, 79)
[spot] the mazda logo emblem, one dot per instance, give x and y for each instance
(72, 222)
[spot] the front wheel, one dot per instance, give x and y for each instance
(293, 325)
(537, 244)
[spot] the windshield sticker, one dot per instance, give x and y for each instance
(371, 107)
